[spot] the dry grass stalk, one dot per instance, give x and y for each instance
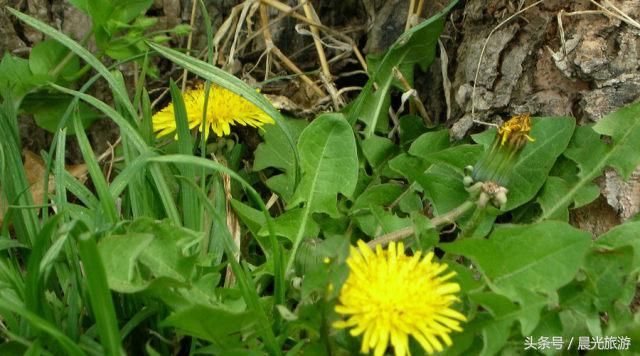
(271, 48)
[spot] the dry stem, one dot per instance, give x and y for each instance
(189, 41)
(291, 11)
(619, 14)
(309, 13)
(416, 99)
(410, 14)
(264, 19)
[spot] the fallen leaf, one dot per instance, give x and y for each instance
(35, 171)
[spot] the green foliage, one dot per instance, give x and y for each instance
(120, 33)
(536, 160)
(146, 252)
(275, 152)
(416, 46)
(47, 59)
(329, 165)
(15, 78)
(177, 253)
(221, 327)
(592, 155)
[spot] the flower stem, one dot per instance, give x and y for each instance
(65, 60)
(472, 224)
(438, 222)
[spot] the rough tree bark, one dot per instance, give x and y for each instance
(584, 66)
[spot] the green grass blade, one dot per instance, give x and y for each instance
(243, 276)
(145, 126)
(8, 306)
(100, 296)
(141, 81)
(208, 30)
(132, 170)
(207, 86)
(34, 284)
(68, 113)
(142, 315)
(138, 142)
(276, 250)
(80, 191)
(219, 77)
(190, 208)
(125, 127)
(14, 180)
(165, 194)
(106, 200)
(60, 197)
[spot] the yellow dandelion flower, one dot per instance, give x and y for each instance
(390, 296)
(497, 163)
(224, 108)
(518, 126)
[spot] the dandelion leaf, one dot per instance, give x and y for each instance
(275, 152)
(552, 135)
(610, 278)
(221, 326)
(625, 235)
(555, 188)
(591, 154)
(378, 151)
(329, 164)
(148, 252)
(287, 224)
(380, 221)
(377, 195)
(539, 257)
(499, 318)
(527, 262)
(623, 126)
(442, 181)
(120, 256)
(16, 77)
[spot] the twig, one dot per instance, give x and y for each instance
(243, 16)
(309, 13)
(230, 23)
(446, 83)
(563, 42)
(291, 11)
(189, 42)
(272, 200)
(620, 14)
(271, 47)
(410, 14)
(347, 89)
(327, 78)
(109, 151)
(259, 31)
(420, 8)
(338, 103)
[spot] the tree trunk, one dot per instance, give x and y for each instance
(556, 58)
